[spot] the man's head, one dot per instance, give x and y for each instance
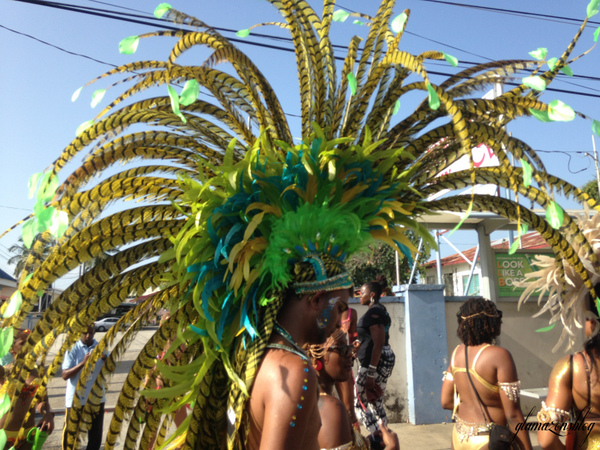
(87, 338)
(323, 285)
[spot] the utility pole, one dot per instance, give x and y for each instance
(596, 163)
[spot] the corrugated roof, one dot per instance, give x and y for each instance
(6, 276)
(529, 241)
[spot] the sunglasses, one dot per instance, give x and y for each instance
(343, 350)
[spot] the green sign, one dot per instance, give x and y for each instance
(511, 269)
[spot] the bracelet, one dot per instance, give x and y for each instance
(371, 366)
(550, 414)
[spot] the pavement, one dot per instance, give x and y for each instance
(414, 437)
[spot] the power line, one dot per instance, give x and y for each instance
(14, 207)
(539, 16)
(145, 19)
(551, 89)
(56, 46)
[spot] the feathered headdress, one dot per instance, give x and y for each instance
(233, 213)
(561, 288)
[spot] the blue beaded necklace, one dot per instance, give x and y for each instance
(283, 332)
(297, 350)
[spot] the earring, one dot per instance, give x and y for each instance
(318, 365)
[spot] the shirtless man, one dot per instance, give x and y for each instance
(283, 404)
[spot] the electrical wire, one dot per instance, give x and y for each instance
(145, 19)
(14, 207)
(570, 156)
(446, 74)
(539, 16)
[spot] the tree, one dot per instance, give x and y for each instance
(591, 189)
(380, 259)
(22, 253)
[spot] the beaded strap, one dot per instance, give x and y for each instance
(466, 430)
(447, 376)
(549, 414)
(512, 390)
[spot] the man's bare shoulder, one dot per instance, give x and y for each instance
(287, 366)
(284, 402)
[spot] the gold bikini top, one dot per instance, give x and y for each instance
(473, 372)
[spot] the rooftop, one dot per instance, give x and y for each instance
(529, 241)
(5, 276)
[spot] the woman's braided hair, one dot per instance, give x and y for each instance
(478, 322)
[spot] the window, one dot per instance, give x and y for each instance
(474, 288)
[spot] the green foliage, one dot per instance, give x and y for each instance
(380, 259)
(22, 252)
(591, 189)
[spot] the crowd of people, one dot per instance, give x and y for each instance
(327, 403)
(313, 359)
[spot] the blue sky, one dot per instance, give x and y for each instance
(38, 119)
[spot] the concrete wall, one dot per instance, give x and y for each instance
(531, 351)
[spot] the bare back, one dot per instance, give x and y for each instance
(283, 404)
(586, 394)
(493, 364)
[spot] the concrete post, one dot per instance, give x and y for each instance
(489, 283)
(426, 352)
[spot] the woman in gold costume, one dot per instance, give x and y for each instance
(494, 375)
(572, 408)
(570, 292)
(333, 363)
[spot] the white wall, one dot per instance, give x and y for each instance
(458, 271)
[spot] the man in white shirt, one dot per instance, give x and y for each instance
(74, 361)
